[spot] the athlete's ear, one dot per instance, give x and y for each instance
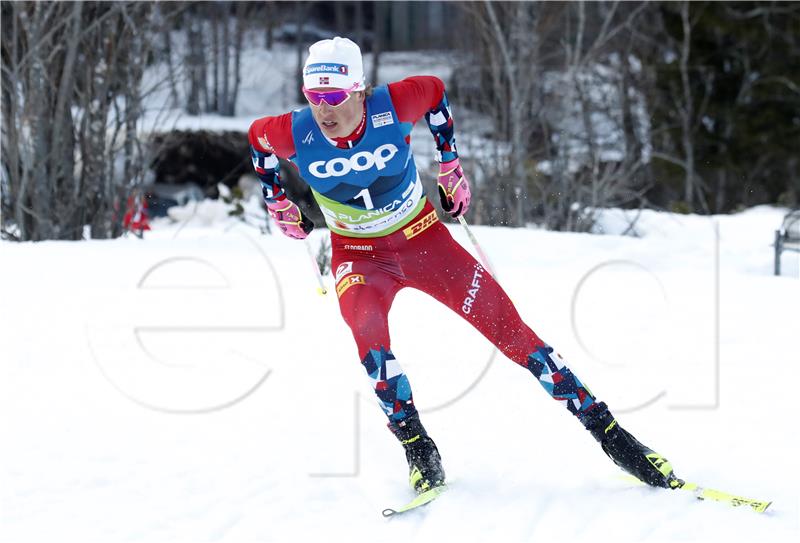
(361, 95)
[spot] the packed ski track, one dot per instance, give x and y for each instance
(193, 386)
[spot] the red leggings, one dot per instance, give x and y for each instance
(433, 262)
(370, 271)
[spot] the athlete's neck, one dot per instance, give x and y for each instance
(349, 141)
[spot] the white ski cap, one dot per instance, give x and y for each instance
(334, 63)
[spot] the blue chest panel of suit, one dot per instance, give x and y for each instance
(369, 188)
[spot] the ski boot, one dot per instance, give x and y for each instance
(424, 463)
(640, 461)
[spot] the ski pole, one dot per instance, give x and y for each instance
(473, 239)
(321, 290)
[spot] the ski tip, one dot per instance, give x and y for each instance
(422, 499)
(761, 507)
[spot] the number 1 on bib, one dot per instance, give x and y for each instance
(366, 197)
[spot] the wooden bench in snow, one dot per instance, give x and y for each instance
(787, 238)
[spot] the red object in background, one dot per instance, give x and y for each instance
(136, 217)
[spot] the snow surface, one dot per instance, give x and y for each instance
(193, 386)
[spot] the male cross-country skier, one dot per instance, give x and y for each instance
(351, 144)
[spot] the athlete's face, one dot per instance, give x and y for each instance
(339, 121)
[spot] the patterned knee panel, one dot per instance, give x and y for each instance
(558, 380)
(390, 384)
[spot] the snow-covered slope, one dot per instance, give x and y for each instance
(193, 386)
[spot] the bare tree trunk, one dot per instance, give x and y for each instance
(586, 108)
(215, 61)
(69, 217)
(96, 180)
(194, 60)
(25, 221)
(134, 72)
(633, 145)
(10, 108)
(204, 91)
(518, 48)
(41, 132)
(166, 38)
(241, 27)
(225, 58)
(687, 110)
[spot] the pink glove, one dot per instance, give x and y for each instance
(287, 216)
(453, 188)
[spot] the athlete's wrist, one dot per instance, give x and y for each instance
(445, 157)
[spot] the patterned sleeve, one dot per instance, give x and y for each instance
(424, 96)
(270, 138)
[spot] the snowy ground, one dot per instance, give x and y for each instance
(193, 386)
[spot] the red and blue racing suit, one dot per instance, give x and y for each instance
(386, 236)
